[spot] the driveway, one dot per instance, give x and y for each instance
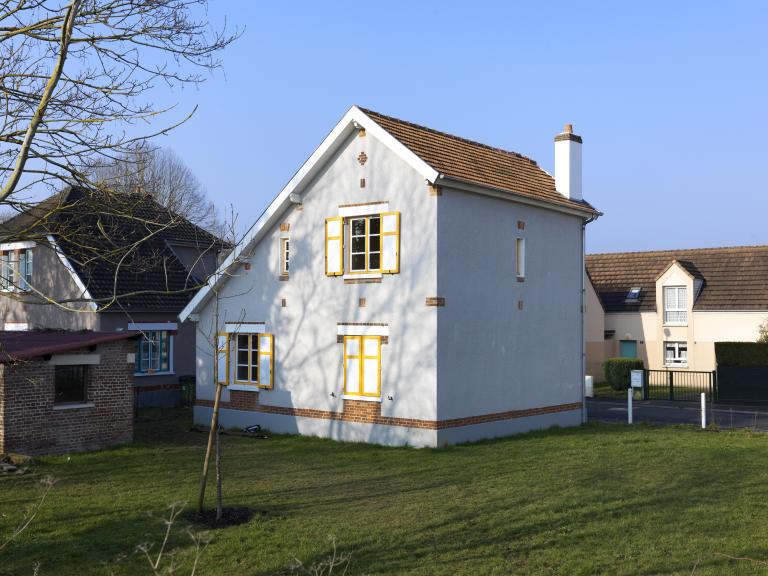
(665, 412)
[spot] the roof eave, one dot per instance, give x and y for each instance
(468, 186)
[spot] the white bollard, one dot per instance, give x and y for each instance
(629, 405)
(703, 411)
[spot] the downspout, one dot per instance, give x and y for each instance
(584, 223)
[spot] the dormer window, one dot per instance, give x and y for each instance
(634, 294)
(675, 305)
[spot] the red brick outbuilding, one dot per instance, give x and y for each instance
(65, 391)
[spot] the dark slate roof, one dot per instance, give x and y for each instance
(124, 236)
(733, 278)
(476, 163)
(24, 345)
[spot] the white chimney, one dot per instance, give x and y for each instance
(568, 163)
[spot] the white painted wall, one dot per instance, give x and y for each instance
(308, 359)
(493, 357)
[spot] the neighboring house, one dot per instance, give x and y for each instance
(670, 307)
(405, 287)
(65, 391)
(104, 262)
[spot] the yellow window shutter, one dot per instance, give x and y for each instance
(390, 242)
(266, 360)
(334, 247)
(222, 358)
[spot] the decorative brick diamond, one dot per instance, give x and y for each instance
(362, 158)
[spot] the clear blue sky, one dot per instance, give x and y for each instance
(670, 98)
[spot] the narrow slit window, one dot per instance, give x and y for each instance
(285, 256)
(520, 257)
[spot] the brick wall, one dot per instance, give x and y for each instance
(29, 424)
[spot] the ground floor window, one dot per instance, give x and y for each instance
(628, 348)
(70, 384)
(153, 352)
(362, 366)
(254, 359)
(675, 353)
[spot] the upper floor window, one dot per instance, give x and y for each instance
(520, 257)
(16, 269)
(675, 305)
(634, 294)
(285, 256)
(153, 352)
(364, 244)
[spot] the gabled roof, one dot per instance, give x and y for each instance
(468, 161)
(118, 244)
(16, 346)
(440, 158)
(734, 278)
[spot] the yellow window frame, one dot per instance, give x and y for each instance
(340, 238)
(361, 357)
(367, 218)
(225, 352)
(259, 354)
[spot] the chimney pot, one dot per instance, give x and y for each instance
(568, 129)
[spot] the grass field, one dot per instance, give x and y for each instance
(595, 500)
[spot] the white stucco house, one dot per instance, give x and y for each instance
(406, 287)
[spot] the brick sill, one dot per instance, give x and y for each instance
(363, 398)
(245, 387)
(74, 406)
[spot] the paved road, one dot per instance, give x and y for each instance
(661, 412)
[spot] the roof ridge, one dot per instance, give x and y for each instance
(449, 135)
(678, 250)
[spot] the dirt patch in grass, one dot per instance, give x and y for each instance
(233, 516)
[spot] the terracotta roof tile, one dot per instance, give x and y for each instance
(734, 278)
(476, 163)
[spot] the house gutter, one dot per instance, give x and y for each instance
(583, 314)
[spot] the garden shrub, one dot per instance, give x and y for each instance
(617, 371)
(741, 354)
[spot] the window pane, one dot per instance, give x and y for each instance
(242, 373)
(374, 225)
(242, 356)
(255, 371)
(374, 261)
(358, 262)
(69, 384)
(242, 342)
(370, 376)
(358, 244)
(358, 227)
(352, 383)
(353, 346)
(374, 243)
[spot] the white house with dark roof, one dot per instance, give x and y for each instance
(405, 287)
(670, 307)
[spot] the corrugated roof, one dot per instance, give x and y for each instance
(734, 278)
(476, 163)
(16, 346)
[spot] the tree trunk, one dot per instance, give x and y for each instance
(218, 474)
(209, 448)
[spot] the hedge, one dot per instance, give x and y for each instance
(617, 371)
(741, 354)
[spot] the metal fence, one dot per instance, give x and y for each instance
(682, 385)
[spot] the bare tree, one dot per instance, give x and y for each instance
(76, 75)
(162, 174)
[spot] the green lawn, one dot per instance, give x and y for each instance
(596, 500)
